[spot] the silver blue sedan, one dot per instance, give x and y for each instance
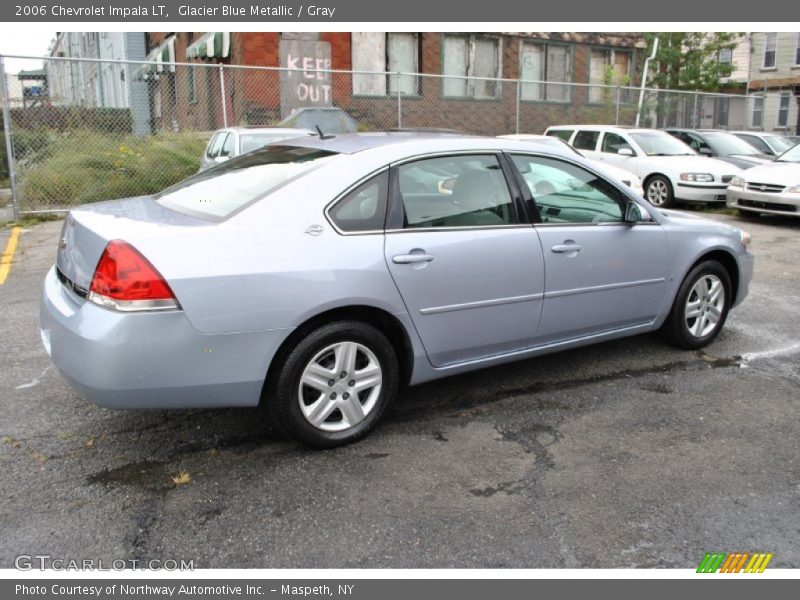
(320, 275)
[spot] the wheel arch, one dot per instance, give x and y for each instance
(384, 321)
(729, 263)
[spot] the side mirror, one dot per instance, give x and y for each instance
(705, 151)
(633, 213)
(625, 152)
(446, 186)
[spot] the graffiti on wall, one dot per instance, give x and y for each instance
(305, 85)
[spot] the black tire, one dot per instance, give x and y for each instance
(664, 185)
(282, 395)
(676, 328)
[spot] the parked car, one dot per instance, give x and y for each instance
(767, 143)
(773, 188)
(722, 145)
(671, 171)
(630, 179)
(233, 141)
(308, 277)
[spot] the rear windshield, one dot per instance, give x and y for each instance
(252, 141)
(220, 191)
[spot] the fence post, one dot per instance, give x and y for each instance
(616, 117)
(399, 103)
(222, 92)
(519, 93)
(695, 115)
(12, 174)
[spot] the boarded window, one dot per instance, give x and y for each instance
(545, 62)
(383, 53)
(468, 58)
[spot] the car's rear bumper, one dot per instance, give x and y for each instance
(760, 202)
(151, 359)
(706, 194)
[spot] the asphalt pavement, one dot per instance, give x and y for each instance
(624, 454)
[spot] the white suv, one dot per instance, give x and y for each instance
(671, 171)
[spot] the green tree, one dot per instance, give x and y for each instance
(690, 60)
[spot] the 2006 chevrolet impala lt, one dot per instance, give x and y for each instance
(319, 275)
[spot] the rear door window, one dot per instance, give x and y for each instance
(586, 140)
(455, 191)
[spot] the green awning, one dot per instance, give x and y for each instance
(214, 44)
(159, 60)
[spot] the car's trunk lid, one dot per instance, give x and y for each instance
(88, 229)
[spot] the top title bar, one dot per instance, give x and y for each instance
(407, 11)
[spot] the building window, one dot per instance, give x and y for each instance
(191, 84)
(608, 67)
(783, 109)
(797, 49)
(758, 111)
(468, 56)
(725, 56)
(545, 62)
(770, 47)
(721, 111)
(382, 52)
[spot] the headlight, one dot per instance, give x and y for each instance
(744, 237)
(737, 182)
(703, 177)
(795, 189)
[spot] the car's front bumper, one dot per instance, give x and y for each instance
(700, 193)
(151, 359)
(761, 202)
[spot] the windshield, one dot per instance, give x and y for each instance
(792, 156)
(657, 143)
(778, 143)
(230, 186)
(253, 141)
(727, 143)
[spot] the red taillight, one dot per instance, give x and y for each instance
(125, 280)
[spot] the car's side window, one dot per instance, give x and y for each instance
(566, 193)
(214, 145)
(563, 134)
(613, 143)
(758, 143)
(227, 146)
(586, 140)
(364, 208)
(454, 191)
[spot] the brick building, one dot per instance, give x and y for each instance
(456, 87)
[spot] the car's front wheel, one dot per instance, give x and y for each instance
(659, 192)
(700, 308)
(334, 384)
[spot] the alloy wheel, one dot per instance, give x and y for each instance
(340, 386)
(704, 306)
(657, 192)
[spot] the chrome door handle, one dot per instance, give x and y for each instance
(561, 248)
(407, 259)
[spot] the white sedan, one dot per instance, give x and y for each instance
(672, 172)
(630, 179)
(773, 188)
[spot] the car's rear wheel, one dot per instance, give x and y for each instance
(658, 191)
(701, 307)
(335, 383)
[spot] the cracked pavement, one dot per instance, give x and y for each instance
(624, 454)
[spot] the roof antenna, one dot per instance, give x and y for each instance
(322, 136)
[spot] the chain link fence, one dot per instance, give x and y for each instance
(94, 130)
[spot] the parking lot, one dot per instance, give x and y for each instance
(624, 454)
